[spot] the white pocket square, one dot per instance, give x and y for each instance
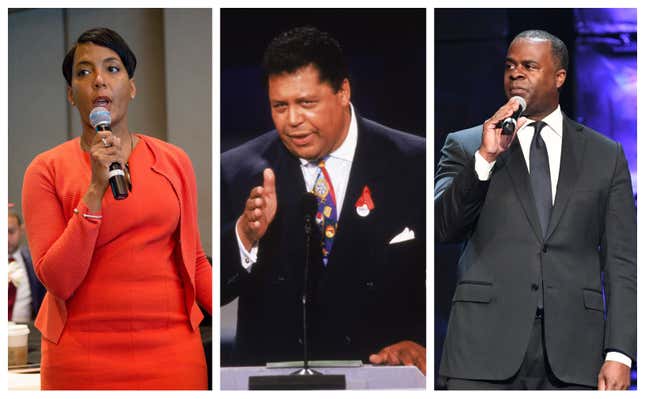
(405, 235)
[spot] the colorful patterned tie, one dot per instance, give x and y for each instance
(326, 216)
(12, 294)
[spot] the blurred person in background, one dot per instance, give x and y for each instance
(26, 292)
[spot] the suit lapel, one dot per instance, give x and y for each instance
(514, 163)
(366, 170)
(573, 144)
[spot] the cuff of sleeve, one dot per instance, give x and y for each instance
(483, 167)
(83, 211)
(619, 357)
(248, 258)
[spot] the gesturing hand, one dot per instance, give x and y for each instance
(405, 352)
(259, 211)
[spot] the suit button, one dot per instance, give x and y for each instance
(534, 287)
(348, 340)
(544, 248)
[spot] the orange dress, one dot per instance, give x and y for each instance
(126, 324)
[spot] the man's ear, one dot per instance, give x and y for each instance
(560, 77)
(345, 92)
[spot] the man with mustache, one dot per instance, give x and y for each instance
(367, 265)
(549, 222)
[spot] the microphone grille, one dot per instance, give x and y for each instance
(100, 116)
(520, 101)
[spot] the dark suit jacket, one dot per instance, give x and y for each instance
(592, 232)
(370, 295)
(35, 286)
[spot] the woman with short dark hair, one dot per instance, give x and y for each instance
(123, 277)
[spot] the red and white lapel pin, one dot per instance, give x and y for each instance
(364, 204)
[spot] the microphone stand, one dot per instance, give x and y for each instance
(305, 378)
(305, 370)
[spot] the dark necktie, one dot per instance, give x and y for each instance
(12, 294)
(540, 176)
(326, 216)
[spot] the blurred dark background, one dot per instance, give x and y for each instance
(600, 90)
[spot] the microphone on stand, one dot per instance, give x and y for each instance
(304, 378)
(309, 207)
(100, 120)
(309, 204)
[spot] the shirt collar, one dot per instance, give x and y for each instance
(17, 255)
(554, 121)
(347, 149)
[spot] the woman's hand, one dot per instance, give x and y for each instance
(104, 150)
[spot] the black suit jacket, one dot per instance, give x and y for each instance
(35, 286)
(370, 295)
(592, 232)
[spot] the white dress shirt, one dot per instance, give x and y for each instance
(552, 136)
(338, 165)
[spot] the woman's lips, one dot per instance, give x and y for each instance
(102, 102)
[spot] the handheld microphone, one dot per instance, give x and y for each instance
(509, 124)
(100, 120)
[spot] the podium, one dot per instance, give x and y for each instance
(364, 377)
